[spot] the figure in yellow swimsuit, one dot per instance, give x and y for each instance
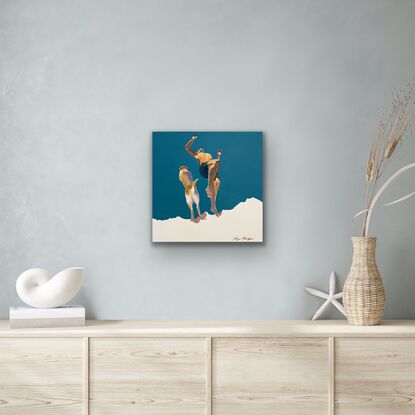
(209, 169)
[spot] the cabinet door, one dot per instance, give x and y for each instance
(375, 376)
(147, 376)
(269, 376)
(41, 376)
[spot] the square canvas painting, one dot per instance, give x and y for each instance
(207, 187)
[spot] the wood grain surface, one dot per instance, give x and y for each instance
(41, 376)
(218, 328)
(131, 372)
(148, 376)
(375, 376)
(266, 376)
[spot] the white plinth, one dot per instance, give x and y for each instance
(66, 316)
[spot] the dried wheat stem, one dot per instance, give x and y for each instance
(379, 193)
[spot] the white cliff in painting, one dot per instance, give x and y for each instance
(38, 289)
(243, 223)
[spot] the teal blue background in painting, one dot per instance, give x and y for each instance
(240, 171)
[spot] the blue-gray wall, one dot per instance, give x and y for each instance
(83, 83)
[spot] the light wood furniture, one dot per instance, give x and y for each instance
(209, 368)
(270, 376)
(149, 375)
(41, 376)
(375, 376)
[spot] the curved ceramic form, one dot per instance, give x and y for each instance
(38, 289)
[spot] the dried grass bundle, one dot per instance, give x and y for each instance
(390, 133)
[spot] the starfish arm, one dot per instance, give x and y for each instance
(339, 307)
(338, 295)
(321, 310)
(317, 293)
(332, 283)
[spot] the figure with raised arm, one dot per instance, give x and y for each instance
(209, 169)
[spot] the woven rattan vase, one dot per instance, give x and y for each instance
(364, 295)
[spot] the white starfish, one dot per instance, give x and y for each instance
(331, 297)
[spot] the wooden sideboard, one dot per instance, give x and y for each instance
(209, 368)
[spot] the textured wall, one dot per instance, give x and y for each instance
(84, 83)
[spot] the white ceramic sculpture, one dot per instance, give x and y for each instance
(38, 289)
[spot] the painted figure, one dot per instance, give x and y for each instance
(209, 169)
(190, 192)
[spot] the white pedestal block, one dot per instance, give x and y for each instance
(66, 316)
